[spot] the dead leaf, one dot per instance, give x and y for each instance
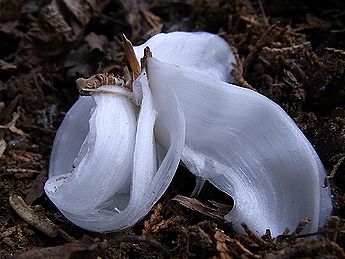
(60, 24)
(36, 190)
(96, 42)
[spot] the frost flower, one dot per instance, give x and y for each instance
(117, 150)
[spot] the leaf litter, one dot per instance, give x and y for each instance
(290, 51)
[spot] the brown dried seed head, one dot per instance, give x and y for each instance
(85, 85)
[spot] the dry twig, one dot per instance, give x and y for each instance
(40, 222)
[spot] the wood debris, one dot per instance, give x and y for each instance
(3, 146)
(38, 221)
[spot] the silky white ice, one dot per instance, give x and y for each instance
(110, 163)
(249, 148)
(112, 159)
(199, 51)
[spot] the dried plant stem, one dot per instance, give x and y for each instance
(130, 55)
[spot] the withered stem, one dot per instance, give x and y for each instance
(130, 55)
(147, 54)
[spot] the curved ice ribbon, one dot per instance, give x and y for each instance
(249, 148)
(111, 161)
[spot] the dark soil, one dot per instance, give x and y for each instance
(291, 51)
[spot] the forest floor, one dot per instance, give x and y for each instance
(291, 51)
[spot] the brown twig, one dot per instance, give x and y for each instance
(40, 222)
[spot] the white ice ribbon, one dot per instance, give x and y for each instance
(111, 161)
